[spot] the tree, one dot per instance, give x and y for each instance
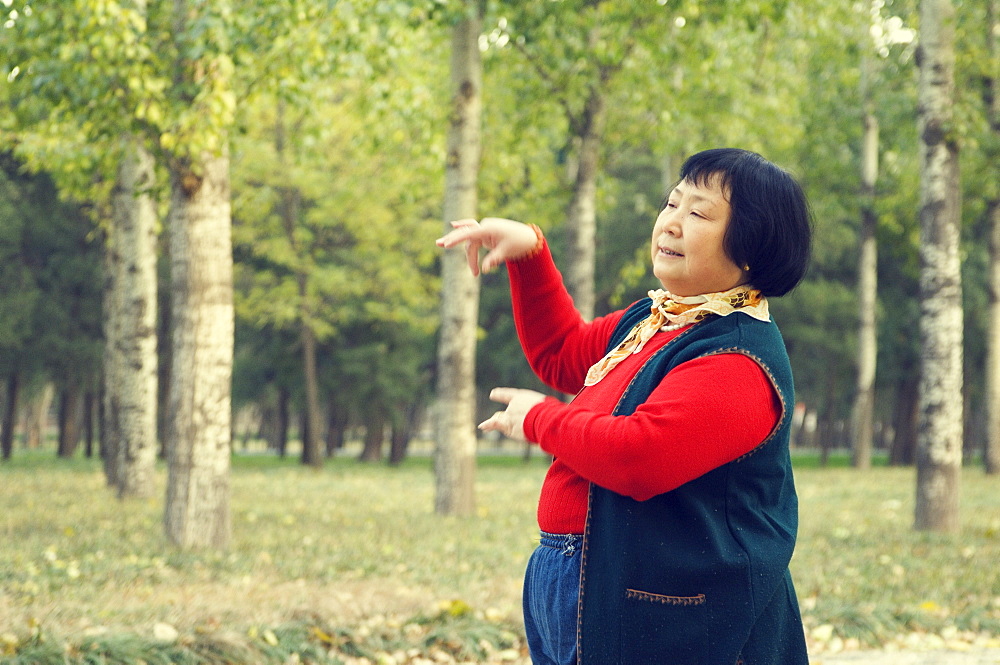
(19, 294)
(332, 181)
(288, 74)
(82, 78)
(939, 456)
(576, 65)
(886, 32)
(130, 331)
(131, 334)
(454, 458)
(201, 260)
(332, 230)
(991, 98)
(93, 74)
(290, 212)
(867, 284)
(49, 301)
(65, 256)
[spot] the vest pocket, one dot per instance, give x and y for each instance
(664, 629)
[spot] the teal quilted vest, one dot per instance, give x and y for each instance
(698, 575)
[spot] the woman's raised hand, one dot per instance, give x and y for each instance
(510, 421)
(504, 238)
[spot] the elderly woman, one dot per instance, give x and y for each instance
(669, 514)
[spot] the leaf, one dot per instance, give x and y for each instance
(8, 644)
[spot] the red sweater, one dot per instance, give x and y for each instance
(705, 413)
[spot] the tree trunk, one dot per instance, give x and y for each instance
(130, 353)
(111, 369)
(991, 453)
(164, 345)
(37, 417)
(864, 399)
(336, 427)
(88, 424)
(904, 422)
(284, 422)
(402, 431)
(939, 437)
(399, 442)
(581, 220)
(70, 425)
(304, 433)
(455, 453)
(107, 455)
(312, 454)
(807, 435)
(374, 436)
(827, 441)
(198, 442)
(9, 416)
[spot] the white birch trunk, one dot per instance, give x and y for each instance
(130, 379)
(455, 454)
(581, 220)
(939, 437)
(864, 398)
(198, 438)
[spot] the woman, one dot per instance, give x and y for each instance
(669, 514)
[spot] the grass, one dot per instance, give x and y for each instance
(351, 562)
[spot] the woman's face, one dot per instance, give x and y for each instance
(688, 256)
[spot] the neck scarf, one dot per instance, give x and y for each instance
(670, 312)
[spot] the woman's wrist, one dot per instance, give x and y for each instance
(538, 246)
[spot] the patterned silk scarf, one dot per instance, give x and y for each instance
(670, 312)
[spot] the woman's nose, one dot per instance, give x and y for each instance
(669, 223)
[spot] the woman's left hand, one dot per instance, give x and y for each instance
(510, 422)
(504, 238)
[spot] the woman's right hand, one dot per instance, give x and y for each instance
(505, 239)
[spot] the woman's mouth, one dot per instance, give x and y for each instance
(669, 252)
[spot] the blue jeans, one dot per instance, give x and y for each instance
(551, 592)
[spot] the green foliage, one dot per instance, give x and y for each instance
(626, 228)
(362, 87)
(79, 75)
(351, 224)
(979, 158)
(18, 289)
(50, 281)
(335, 210)
(812, 319)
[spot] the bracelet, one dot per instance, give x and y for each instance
(538, 245)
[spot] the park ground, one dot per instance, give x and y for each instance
(350, 563)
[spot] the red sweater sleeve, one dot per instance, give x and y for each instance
(705, 412)
(559, 345)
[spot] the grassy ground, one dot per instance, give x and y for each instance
(350, 562)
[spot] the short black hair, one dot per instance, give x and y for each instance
(770, 226)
